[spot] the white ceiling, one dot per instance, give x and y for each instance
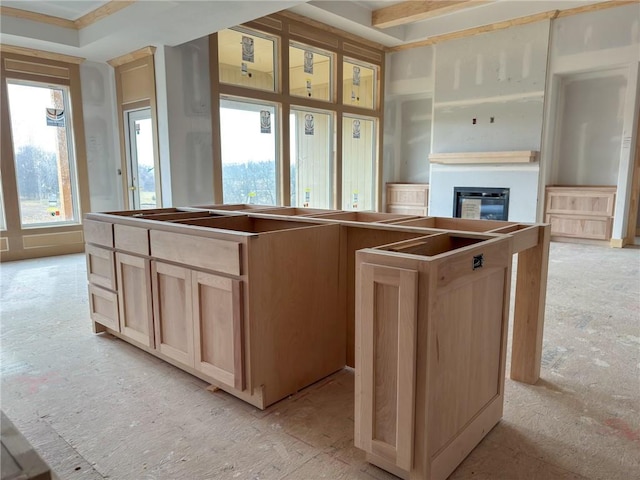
(173, 22)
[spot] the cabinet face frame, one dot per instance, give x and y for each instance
(134, 292)
(402, 346)
(230, 297)
(183, 305)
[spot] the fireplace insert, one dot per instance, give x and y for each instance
(481, 203)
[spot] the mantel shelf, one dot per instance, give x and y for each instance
(524, 156)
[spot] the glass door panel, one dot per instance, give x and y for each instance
(43, 153)
(142, 168)
(358, 163)
(311, 158)
(248, 137)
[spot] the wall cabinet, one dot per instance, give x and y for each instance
(580, 212)
(408, 198)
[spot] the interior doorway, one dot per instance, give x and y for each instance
(142, 178)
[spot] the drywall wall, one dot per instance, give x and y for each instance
(186, 123)
(591, 128)
(521, 180)
(489, 96)
(489, 90)
(407, 115)
(101, 134)
(602, 43)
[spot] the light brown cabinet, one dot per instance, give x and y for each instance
(431, 336)
(408, 198)
(580, 212)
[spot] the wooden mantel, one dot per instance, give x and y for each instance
(523, 156)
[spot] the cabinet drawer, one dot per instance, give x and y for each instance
(205, 253)
(98, 233)
(103, 306)
(414, 195)
(131, 239)
(101, 267)
(596, 228)
(407, 210)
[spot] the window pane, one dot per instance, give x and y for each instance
(309, 73)
(246, 59)
(359, 84)
(358, 163)
(45, 167)
(311, 158)
(248, 136)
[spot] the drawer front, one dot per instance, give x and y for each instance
(581, 202)
(201, 252)
(596, 228)
(131, 239)
(98, 233)
(101, 268)
(420, 211)
(103, 306)
(407, 195)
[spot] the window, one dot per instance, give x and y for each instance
(359, 84)
(143, 191)
(310, 73)
(358, 163)
(247, 59)
(248, 133)
(3, 224)
(311, 158)
(43, 151)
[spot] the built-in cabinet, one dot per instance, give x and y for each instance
(408, 198)
(580, 212)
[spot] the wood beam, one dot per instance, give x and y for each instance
(413, 11)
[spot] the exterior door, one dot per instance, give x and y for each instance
(141, 165)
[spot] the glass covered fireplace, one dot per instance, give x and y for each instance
(481, 203)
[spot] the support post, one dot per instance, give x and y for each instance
(528, 322)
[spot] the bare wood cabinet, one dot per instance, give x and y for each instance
(431, 336)
(408, 198)
(580, 212)
(262, 305)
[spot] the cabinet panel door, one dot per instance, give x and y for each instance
(385, 366)
(217, 311)
(134, 298)
(172, 318)
(100, 267)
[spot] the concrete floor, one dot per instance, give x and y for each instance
(96, 407)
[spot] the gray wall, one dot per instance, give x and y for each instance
(499, 75)
(184, 117)
(102, 137)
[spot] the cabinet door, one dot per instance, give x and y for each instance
(385, 365)
(134, 298)
(217, 312)
(172, 318)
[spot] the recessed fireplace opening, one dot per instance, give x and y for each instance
(481, 203)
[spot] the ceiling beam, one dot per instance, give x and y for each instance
(414, 11)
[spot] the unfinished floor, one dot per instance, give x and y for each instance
(96, 407)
